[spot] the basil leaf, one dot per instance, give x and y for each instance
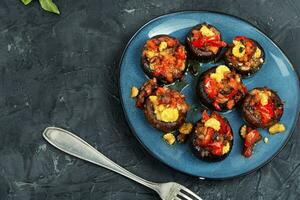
(49, 6)
(26, 2)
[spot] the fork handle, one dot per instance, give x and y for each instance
(75, 146)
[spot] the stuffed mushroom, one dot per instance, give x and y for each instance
(212, 138)
(245, 55)
(164, 58)
(220, 88)
(164, 108)
(204, 42)
(262, 107)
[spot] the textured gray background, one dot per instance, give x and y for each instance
(63, 70)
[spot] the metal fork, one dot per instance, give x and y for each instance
(75, 146)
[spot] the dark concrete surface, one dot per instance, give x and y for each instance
(63, 71)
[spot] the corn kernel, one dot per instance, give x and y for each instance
(134, 92)
(169, 138)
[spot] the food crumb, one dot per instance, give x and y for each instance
(276, 128)
(181, 138)
(134, 92)
(169, 138)
(243, 131)
(266, 140)
(184, 131)
(186, 128)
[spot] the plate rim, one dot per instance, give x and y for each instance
(211, 12)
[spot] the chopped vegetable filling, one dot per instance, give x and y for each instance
(168, 104)
(250, 136)
(224, 87)
(207, 38)
(166, 57)
(244, 54)
(213, 134)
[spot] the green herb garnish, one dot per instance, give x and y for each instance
(47, 5)
(241, 49)
(26, 2)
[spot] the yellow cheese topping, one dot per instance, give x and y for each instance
(206, 31)
(150, 54)
(166, 114)
(239, 49)
(162, 112)
(276, 128)
(257, 53)
(169, 138)
(186, 128)
(162, 46)
(213, 123)
(134, 92)
(226, 148)
(219, 74)
(153, 99)
(264, 98)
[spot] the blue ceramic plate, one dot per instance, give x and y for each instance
(277, 73)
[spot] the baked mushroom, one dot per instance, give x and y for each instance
(220, 88)
(212, 138)
(204, 42)
(164, 108)
(262, 107)
(164, 58)
(245, 55)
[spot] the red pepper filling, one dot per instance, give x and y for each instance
(251, 136)
(171, 98)
(246, 41)
(229, 91)
(211, 87)
(210, 139)
(225, 128)
(266, 112)
(202, 41)
(208, 43)
(167, 60)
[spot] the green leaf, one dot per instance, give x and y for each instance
(49, 6)
(26, 2)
